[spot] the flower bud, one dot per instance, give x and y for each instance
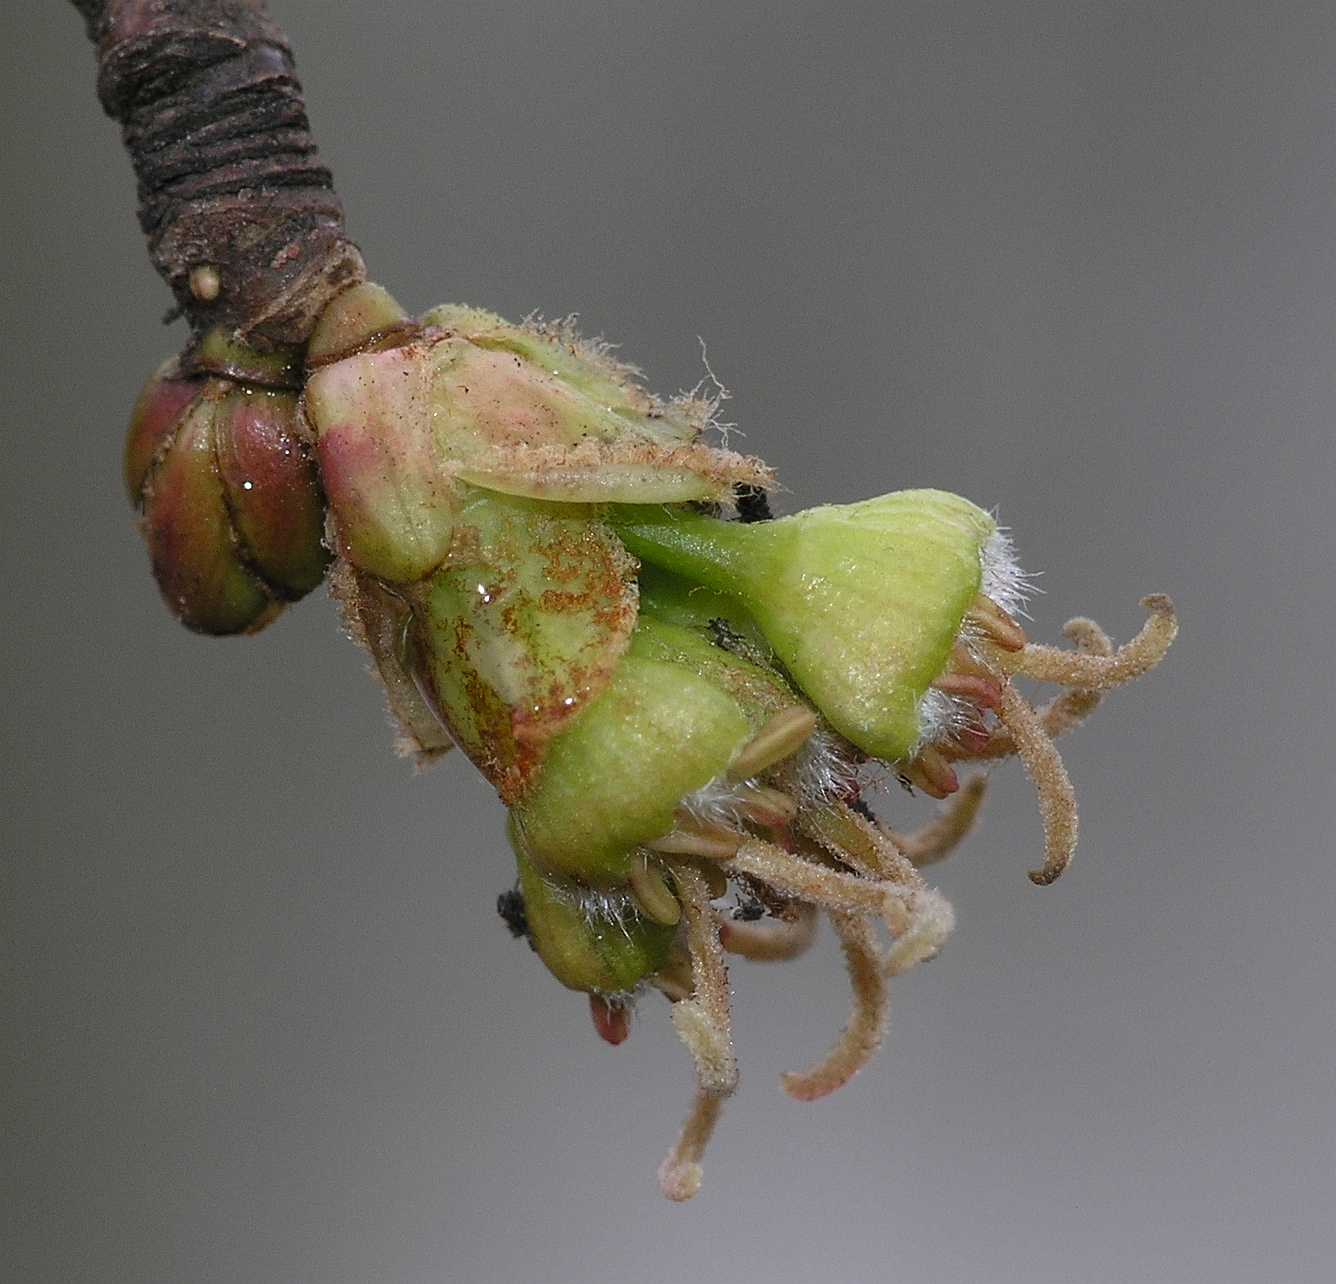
(614, 780)
(598, 943)
(521, 630)
(520, 410)
(232, 512)
(862, 603)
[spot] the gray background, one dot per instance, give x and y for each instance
(1076, 260)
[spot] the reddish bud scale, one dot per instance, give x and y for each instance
(232, 509)
(271, 491)
(155, 418)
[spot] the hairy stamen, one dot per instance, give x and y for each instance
(763, 805)
(931, 773)
(1057, 800)
(680, 1173)
(707, 842)
(976, 688)
(862, 1036)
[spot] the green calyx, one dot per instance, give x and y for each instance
(598, 946)
(861, 603)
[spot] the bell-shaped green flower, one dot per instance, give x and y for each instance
(861, 603)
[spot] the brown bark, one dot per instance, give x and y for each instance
(241, 219)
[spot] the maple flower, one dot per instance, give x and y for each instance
(679, 699)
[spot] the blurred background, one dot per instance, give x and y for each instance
(1074, 260)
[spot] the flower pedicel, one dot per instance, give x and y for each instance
(554, 571)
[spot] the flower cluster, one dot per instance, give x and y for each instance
(682, 701)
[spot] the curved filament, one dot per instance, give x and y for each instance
(862, 1036)
(1057, 800)
(949, 828)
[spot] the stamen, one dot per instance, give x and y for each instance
(611, 1020)
(652, 892)
(780, 737)
(862, 1036)
(765, 806)
(716, 881)
(930, 772)
(830, 888)
(1042, 763)
(1076, 669)
(942, 835)
(673, 979)
(703, 1022)
(989, 619)
(773, 940)
(680, 1173)
(964, 661)
(977, 689)
(712, 842)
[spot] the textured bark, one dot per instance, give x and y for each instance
(229, 180)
